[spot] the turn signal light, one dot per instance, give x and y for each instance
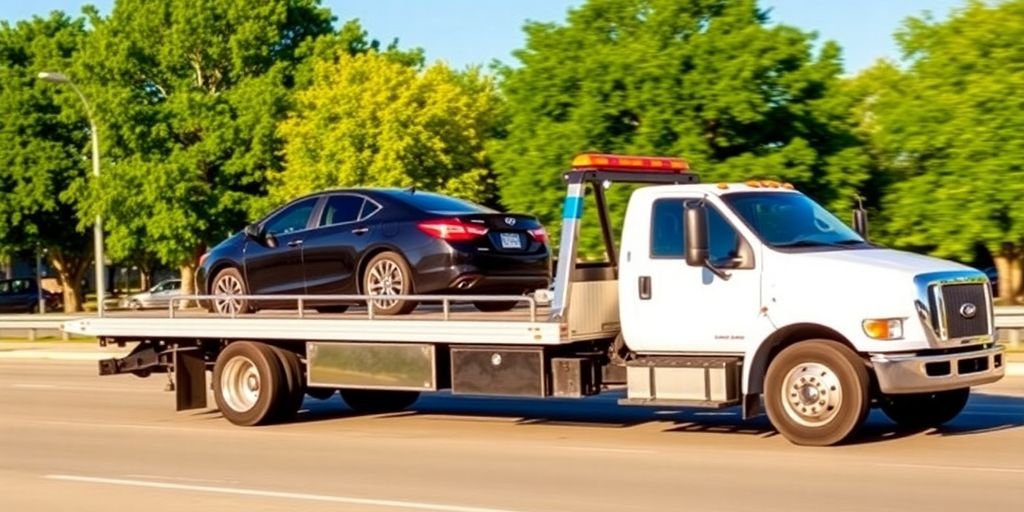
(884, 328)
(452, 230)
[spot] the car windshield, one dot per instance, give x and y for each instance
(784, 219)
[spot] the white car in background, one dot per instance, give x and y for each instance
(159, 296)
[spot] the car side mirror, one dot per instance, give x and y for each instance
(253, 231)
(695, 237)
(860, 220)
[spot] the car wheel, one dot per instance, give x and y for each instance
(229, 283)
(387, 274)
(134, 305)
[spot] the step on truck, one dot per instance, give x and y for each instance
(747, 295)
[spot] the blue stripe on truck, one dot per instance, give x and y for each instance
(573, 208)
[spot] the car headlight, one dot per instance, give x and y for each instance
(883, 328)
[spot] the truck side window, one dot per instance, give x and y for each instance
(667, 233)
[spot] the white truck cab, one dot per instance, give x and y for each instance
(734, 294)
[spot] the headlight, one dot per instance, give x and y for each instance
(884, 328)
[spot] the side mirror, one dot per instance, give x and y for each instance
(695, 235)
(860, 219)
(253, 231)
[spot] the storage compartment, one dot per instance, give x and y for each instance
(498, 371)
(684, 379)
(574, 377)
(371, 366)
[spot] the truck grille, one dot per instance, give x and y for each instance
(963, 310)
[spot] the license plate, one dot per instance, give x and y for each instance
(511, 241)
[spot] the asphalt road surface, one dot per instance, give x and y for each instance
(70, 440)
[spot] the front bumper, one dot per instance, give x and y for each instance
(916, 373)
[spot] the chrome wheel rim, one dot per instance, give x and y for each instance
(812, 394)
(240, 384)
(228, 286)
(385, 279)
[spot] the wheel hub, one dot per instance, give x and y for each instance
(813, 394)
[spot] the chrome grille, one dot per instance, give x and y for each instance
(960, 310)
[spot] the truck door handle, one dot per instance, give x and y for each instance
(645, 287)
(295, 243)
(360, 231)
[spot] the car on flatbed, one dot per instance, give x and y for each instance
(746, 295)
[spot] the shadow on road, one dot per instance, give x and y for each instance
(984, 413)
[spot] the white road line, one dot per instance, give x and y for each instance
(35, 386)
(416, 505)
(953, 468)
(180, 479)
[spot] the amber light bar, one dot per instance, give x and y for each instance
(629, 163)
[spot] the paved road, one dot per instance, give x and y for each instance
(72, 441)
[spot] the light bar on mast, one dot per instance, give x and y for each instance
(629, 163)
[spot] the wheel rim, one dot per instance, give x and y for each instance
(240, 384)
(812, 394)
(228, 286)
(385, 279)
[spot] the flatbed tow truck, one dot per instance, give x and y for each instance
(731, 294)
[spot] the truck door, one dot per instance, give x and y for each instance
(676, 307)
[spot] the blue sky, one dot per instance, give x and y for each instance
(463, 32)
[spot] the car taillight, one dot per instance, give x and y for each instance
(540, 235)
(202, 259)
(452, 230)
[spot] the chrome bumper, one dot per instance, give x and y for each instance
(912, 373)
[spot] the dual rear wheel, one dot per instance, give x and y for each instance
(257, 384)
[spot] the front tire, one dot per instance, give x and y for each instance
(248, 383)
(925, 410)
(387, 274)
(369, 401)
(816, 392)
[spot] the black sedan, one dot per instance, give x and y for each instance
(377, 242)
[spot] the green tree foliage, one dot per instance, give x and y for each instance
(708, 80)
(374, 120)
(190, 93)
(948, 128)
(44, 148)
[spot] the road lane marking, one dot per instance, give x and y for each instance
(298, 496)
(952, 468)
(35, 386)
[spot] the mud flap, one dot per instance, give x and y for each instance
(189, 379)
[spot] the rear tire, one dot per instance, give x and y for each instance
(925, 410)
(229, 282)
(388, 274)
(369, 401)
(248, 383)
(495, 307)
(291, 402)
(816, 392)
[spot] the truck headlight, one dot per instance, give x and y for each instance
(883, 328)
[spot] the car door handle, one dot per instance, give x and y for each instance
(644, 286)
(360, 231)
(295, 243)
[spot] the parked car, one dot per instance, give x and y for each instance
(159, 296)
(21, 295)
(377, 242)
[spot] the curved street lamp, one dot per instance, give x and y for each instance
(101, 283)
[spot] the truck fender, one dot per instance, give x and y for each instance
(757, 357)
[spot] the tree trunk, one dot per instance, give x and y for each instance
(8, 267)
(1003, 269)
(145, 278)
(1016, 278)
(1010, 266)
(70, 271)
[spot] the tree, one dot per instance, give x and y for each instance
(371, 119)
(948, 129)
(44, 148)
(190, 93)
(708, 80)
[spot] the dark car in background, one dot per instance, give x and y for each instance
(377, 242)
(21, 295)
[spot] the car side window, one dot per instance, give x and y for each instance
(5, 287)
(292, 218)
(341, 209)
(667, 237)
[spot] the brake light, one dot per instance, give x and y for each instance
(202, 259)
(629, 163)
(540, 235)
(452, 230)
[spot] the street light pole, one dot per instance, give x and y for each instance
(101, 281)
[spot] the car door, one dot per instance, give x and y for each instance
(332, 251)
(687, 304)
(273, 260)
(161, 296)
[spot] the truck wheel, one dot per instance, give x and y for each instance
(291, 402)
(925, 410)
(229, 282)
(388, 274)
(816, 392)
(368, 401)
(248, 383)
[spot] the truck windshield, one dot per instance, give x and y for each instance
(784, 219)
